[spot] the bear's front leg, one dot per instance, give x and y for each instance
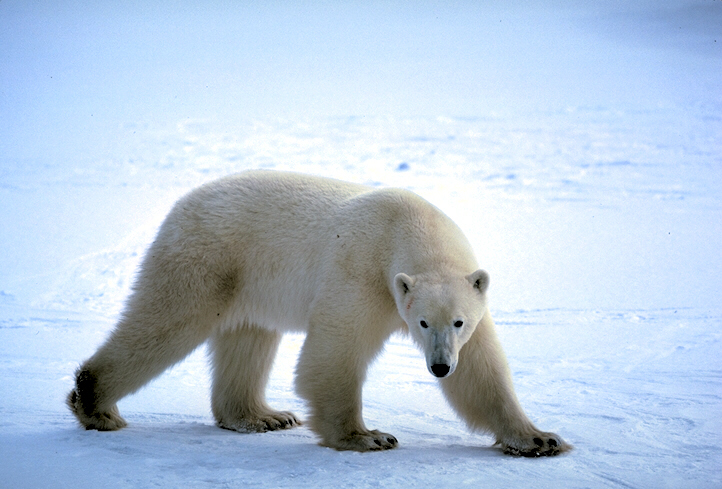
(330, 375)
(482, 392)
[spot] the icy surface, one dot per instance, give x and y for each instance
(579, 148)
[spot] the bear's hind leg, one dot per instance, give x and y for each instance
(137, 351)
(242, 358)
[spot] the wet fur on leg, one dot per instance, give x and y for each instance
(82, 401)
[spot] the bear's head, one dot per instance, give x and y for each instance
(441, 313)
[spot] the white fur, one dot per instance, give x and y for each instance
(243, 259)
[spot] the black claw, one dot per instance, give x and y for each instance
(539, 442)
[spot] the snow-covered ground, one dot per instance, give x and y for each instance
(579, 147)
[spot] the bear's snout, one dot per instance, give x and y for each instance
(440, 369)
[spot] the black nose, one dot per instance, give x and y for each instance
(440, 369)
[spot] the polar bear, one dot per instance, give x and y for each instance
(241, 260)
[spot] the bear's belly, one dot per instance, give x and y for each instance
(283, 307)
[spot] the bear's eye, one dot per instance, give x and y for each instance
(423, 324)
(458, 324)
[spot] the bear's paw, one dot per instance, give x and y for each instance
(535, 445)
(261, 423)
(365, 441)
(90, 418)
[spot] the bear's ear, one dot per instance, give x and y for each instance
(479, 280)
(403, 284)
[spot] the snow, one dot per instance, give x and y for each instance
(579, 147)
